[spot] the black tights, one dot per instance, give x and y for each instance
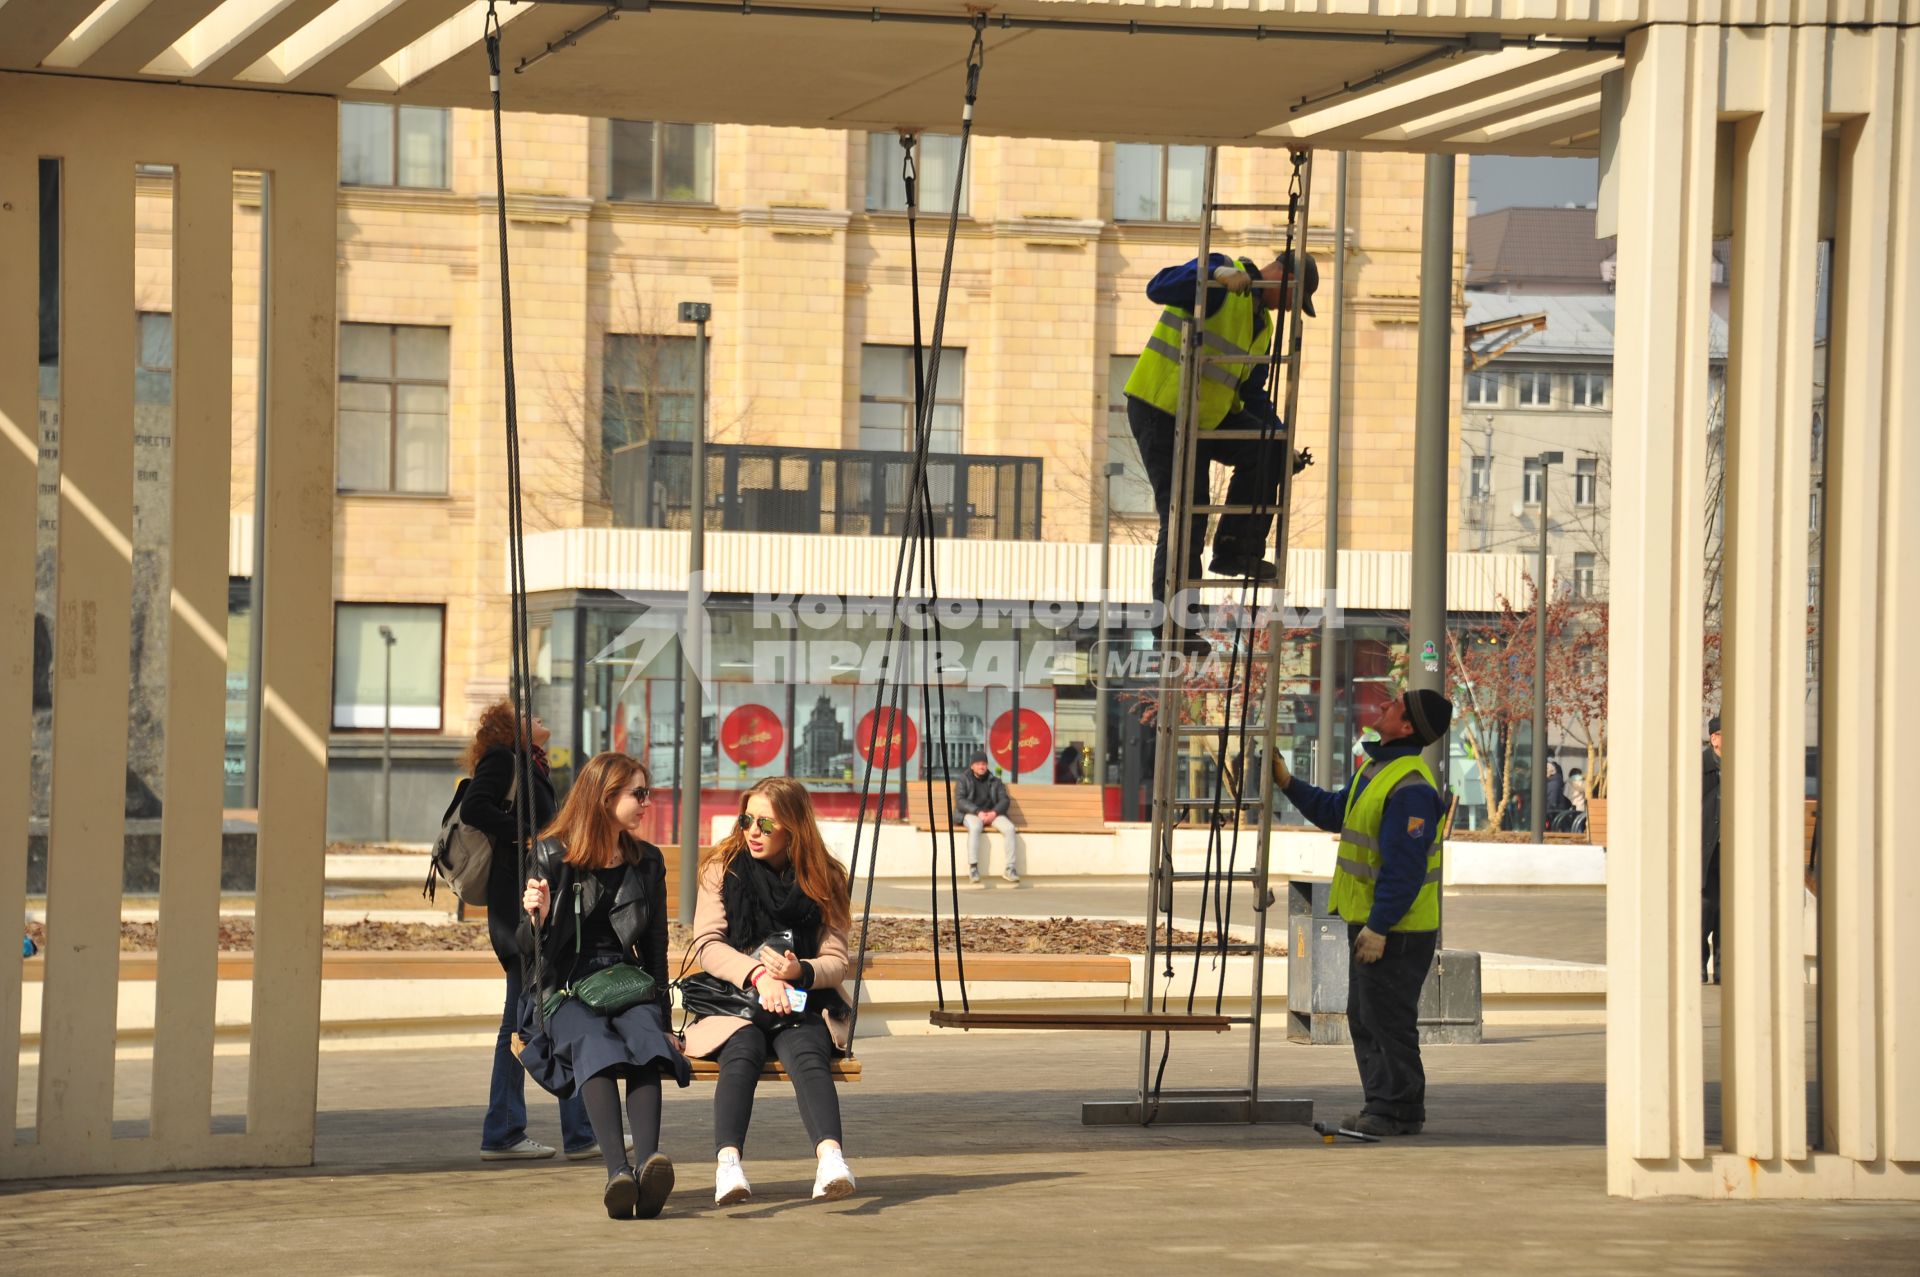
(602, 1097)
(806, 1050)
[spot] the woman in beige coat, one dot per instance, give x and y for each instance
(772, 922)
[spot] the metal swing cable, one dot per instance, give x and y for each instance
(1289, 338)
(930, 583)
(911, 541)
(521, 689)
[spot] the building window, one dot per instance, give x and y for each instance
(1132, 494)
(1479, 478)
(1588, 389)
(153, 359)
(1535, 389)
(1586, 481)
(663, 163)
(648, 388)
(393, 408)
(936, 159)
(1531, 478)
(393, 146)
(1154, 183)
(886, 399)
(360, 689)
(1483, 388)
(1583, 575)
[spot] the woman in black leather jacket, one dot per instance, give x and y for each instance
(598, 895)
(491, 803)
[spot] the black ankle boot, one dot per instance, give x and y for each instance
(623, 1191)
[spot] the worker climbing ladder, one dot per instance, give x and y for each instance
(1215, 733)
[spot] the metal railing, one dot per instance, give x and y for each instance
(826, 491)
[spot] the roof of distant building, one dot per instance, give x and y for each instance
(1552, 247)
(1579, 325)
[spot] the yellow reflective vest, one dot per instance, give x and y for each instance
(1230, 331)
(1358, 865)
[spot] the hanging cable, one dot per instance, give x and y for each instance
(916, 551)
(520, 690)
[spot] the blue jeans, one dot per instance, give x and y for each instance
(506, 1123)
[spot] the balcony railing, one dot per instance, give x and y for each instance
(826, 491)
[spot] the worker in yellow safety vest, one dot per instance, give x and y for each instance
(1233, 396)
(1386, 885)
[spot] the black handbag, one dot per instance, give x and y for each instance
(704, 995)
(610, 990)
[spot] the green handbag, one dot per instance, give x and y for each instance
(610, 990)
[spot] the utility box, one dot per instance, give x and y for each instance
(1317, 961)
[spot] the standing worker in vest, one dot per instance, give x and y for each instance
(1234, 396)
(1386, 885)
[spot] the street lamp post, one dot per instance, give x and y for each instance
(386, 741)
(1114, 470)
(692, 711)
(1538, 798)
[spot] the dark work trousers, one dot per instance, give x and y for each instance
(1256, 468)
(1711, 955)
(1383, 1018)
(806, 1048)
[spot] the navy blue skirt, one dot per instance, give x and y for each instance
(581, 1043)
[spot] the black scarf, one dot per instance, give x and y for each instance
(761, 900)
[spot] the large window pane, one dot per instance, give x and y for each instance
(420, 448)
(684, 166)
(938, 159)
(365, 412)
(1186, 179)
(630, 160)
(366, 144)
(393, 408)
(360, 688)
(886, 400)
(648, 389)
(1136, 182)
(423, 147)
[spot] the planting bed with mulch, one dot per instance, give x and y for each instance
(888, 935)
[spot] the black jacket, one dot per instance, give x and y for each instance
(1710, 813)
(639, 912)
(485, 807)
(980, 793)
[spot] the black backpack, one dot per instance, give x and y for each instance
(462, 854)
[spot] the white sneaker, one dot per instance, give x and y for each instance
(833, 1180)
(1008, 875)
(527, 1150)
(730, 1182)
(973, 875)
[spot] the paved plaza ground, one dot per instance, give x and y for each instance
(972, 1159)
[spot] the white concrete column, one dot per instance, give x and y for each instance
(1778, 75)
(1664, 169)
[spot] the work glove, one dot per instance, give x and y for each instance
(1236, 280)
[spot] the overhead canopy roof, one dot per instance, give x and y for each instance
(1425, 78)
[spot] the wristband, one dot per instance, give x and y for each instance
(753, 976)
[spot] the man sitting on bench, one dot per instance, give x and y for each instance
(982, 800)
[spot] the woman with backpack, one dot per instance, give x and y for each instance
(596, 902)
(770, 938)
(491, 805)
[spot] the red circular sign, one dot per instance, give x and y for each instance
(895, 745)
(1036, 741)
(752, 736)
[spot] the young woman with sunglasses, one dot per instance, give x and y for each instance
(772, 878)
(598, 894)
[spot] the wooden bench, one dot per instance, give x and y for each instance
(1034, 809)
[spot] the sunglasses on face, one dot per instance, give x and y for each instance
(766, 823)
(642, 795)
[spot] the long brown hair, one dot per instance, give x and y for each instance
(585, 825)
(822, 877)
(495, 731)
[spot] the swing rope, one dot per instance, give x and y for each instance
(916, 552)
(520, 688)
